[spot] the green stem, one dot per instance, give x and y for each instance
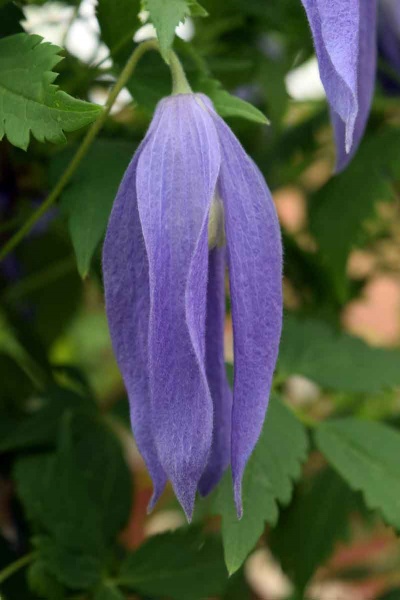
(115, 49)
(16, 566)
(180, 84)
(82, 150)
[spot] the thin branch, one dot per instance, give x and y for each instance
(16, 566)
(82, 150)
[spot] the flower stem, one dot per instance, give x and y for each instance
(180, 84)
(16, 566)
(83, 148)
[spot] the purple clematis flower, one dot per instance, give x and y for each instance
(192, 202)
(345, 37)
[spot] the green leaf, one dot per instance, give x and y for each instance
(78, 564)
(227, 105)
(29, 100)
(185, 565)
(341, 208)
(166, 16)
(392, 595)
(107, 477)
(89, 197)
(335, 360)
(43, 583)
(271, 77)
(32, 474)
(274, 464)
(118, 21)
(78, 500)
(108, 591)
(51, 488)
(196, 10)
(316, 519)
(366, 455)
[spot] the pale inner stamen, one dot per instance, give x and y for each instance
(216, 223)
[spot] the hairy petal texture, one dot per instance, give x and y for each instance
(216, 373)
(176, 177)
(344, 33)
(366, 83)
(126, 283)
(255, 271)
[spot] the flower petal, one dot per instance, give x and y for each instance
(126, 283)
(366, 83)
(176, 179)
(216, 373)
(344, 34)
(255, 272)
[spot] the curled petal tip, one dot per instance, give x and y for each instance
(238, 499)
(157, 491)
(344, 34)
(187, 500)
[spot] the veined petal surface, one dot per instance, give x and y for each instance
(176, 179)
(366, 83)
(255, 271)
(344, 33)
(126, 283)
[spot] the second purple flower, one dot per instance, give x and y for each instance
(345, 38)
(191, 203)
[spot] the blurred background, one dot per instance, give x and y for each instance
(339, 353)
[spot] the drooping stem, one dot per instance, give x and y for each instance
(22, 562)
(180, 84)
(82, 150)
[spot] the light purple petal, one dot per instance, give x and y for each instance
(216, 373)
(126, 283)
(255, 272)
(176, 178)
(366, 84)
(344, 34)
